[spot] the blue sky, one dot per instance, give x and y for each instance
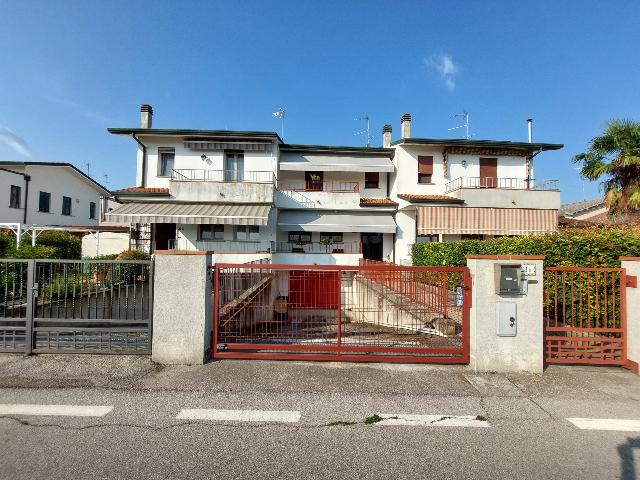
(71, 69)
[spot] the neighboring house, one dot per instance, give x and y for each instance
(52, 194)
(591, 210)
(247, 195)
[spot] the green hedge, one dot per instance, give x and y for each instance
(590, 247)
(52, 244)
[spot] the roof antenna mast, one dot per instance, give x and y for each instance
(280, 114)
(465, 125)
(367, 130)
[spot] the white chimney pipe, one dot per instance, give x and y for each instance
(530, 128)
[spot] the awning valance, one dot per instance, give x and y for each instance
(334, 163)
(485, 221)
(190, 213)
(336, 222)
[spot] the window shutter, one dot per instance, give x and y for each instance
(425, 165)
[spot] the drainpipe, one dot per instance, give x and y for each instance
(27, 179)
(143, 182)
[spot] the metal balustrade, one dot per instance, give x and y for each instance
(334, 187)
(501, 183)
(230, 176)
(317, 247)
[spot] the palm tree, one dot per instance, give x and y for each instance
(614, 156)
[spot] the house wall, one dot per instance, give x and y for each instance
(59, 181)
(105, 243)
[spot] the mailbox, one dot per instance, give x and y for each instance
(508, 279)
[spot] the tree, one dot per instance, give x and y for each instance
(614, 156)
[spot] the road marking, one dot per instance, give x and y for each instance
(280, 416)
(54, 410)
(391, 419)
(617, 424)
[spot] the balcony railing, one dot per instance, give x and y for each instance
(231, 176)
(504, 183)
(335, 187)
(317, 247)
(222, 246)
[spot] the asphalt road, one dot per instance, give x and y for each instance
(516, 426)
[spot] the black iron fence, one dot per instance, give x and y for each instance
(76, 306)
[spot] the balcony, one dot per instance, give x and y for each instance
(317, 247)
(321, 195)
(506, 192)
(221, 246)
(201, 185)
(501, 183)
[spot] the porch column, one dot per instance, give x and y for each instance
(632, 266)
(182, 307)
(519, 346)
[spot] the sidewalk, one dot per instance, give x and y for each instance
(139, 373)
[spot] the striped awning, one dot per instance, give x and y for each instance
(190, 213)
(316, 221)
(485, 221)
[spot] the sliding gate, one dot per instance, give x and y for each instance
(75, 306)
(585, 315)
(380, 312)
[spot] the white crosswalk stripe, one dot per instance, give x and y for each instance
(391, 419)
(54, 410)
(614, 424)
(280, 416)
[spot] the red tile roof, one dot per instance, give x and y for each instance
(417, 198)
(143, 190)
(384, 202)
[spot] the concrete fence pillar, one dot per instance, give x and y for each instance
(632, 266)
(182, 308)
(516, 346)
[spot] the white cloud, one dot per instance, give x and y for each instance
(14, 142)
(445, 67)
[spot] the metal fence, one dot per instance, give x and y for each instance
(585, 315)
(205, 175)
(358, 313)
(76, 306)
(501, 183)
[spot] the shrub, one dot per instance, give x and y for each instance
(108, 256)
(7, 242)
(27, 251)
(588, 247)
(133, 255)
(66, 245)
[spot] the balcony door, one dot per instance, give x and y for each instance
(371, 246)
(234, 167)
(313, 181)
(488, 172)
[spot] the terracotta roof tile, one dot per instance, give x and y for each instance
(369, 201)
(142, 190)
(418, 198)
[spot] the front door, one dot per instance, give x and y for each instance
(488, 172)
(164, 235)
(371, 246)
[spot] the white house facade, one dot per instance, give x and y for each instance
(52, 194)
(248, 195)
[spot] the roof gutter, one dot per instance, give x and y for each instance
(143, 180)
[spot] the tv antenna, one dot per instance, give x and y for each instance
(465, 125)
(88, 165)
(280, 114)
(367, 130)
(106, 179)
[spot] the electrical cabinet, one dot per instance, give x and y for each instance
(506, 319)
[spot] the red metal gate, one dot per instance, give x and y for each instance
(585, 315)
(371, 312)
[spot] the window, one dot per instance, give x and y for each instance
(247, 232)
(372, 180)
(331, 237)
(44, 205)
(425, 169)
(471, 236)
(92, 210)
(211, 232)
(233, 166)
(66, 205)
(14, 201)
(166, 160)
(300, 237)
(313, 181)
(429, 238)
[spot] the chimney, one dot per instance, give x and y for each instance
(405, 120)
(146, 116)
(386, 136)
(530, 128)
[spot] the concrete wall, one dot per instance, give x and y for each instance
(632, 265)
(506, 198)
(234, 192)
(489, 352)
(105, 243)
(182, 329)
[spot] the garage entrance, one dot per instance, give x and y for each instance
(371, 312)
